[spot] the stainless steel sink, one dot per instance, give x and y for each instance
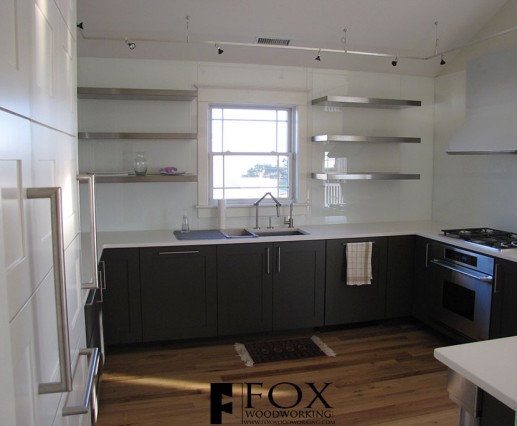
(238, 233)
(248, 233)
(281, 232)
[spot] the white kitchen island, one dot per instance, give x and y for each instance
(490, 365)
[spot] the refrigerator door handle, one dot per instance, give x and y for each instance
(58, 261)
(93, 353)
(90, 179)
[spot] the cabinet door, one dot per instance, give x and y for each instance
(504, 299)
(179, 292)
(121, 306)
(399, 281)
(347, 304)
(244, 288)
(495, 413)
(423, 286)
(298, 284)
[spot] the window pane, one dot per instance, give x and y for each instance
(249, 136)
(217, 113)
(251, 176)
(283, 115)
(282, 137)
(250, 114)
(217, 136)
(218, 171)
(219, 194)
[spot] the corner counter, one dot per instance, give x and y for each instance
(490, 365)
(427, 229)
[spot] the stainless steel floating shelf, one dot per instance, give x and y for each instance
(364, 176)
(364, 139)
(351, 101)
(135, 94)
(136, 135)
(113, 178)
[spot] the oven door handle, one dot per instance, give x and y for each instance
(464, 271)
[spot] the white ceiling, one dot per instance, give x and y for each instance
(403, 28)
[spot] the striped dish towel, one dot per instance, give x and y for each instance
(359, 263)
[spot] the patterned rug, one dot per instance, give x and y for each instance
(281, 350)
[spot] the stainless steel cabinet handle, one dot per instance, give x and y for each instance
(102, 279)
(278, 260)
(90, 179)
(65, 370)
(93, 353)
(345, 244)
(168, 253)
(267, 261)
(496, 278)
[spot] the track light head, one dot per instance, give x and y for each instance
(219, 49)
(130, 44)
(318, 56)
(395, 62)
(80, 25)
(442, 61)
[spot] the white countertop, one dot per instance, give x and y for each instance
(428, 229)
(491, 365)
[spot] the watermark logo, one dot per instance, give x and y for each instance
(282, 403)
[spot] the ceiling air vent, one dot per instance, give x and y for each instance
(273, 41)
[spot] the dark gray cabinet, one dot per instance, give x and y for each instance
(179, 298)
(504, 300)
(495, 413)
(348, 304)
(298, 284)
(423, 290)
(270, 286)
(122, 319)
(244, 288)
(399, 279)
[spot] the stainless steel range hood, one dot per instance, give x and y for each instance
(490, 125)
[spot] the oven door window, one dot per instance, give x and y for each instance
(458, 299)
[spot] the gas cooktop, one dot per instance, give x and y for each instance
(487, 237)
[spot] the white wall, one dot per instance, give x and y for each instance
(472, 190)
(160, 206)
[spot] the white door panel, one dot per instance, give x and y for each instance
(15, 176)
(33, 344)
(38, 148)
(7, 402)
(65, 79)
(54, 165)
(14, 55)
(68, 10)
(53, 68)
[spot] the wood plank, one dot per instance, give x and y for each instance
(382, 375)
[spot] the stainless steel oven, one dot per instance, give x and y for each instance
(462, 290)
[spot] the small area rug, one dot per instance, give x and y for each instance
(279, 350)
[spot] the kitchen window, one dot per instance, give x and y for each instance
(298, 147)
(251, 152)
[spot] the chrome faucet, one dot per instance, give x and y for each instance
(289, 220)
(256, 204)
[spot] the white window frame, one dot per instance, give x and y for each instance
(290, 153)
(298, 100)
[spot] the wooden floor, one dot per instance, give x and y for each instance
(382, 375)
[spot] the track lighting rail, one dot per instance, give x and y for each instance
(317, 50)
